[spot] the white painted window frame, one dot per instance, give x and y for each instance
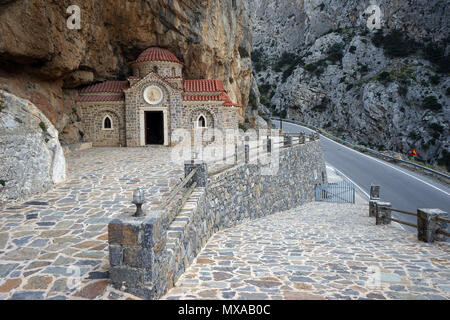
(197, 122)
(103, 123)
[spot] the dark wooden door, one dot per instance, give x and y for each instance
(154, 127)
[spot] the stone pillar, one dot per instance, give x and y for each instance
(372, 208)
(383, 213)
(201, 176)
(428, 224)
(301, 138)
(374, 192)
(135, 247)
(287, 140)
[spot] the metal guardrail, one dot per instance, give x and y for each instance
(364, 149)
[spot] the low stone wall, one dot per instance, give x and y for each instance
(149, 254)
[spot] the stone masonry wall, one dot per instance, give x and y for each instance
(92, 115)
(148, 255)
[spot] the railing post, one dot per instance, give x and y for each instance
(201, 176)
(246, 149)
(301, 138)
(428, 224)
(236, 143)
(383, 213)
(374, 198)
(374, 192)
(247, 153)
(287, 140)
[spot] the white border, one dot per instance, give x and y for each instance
(142, 124)
(197, 122)
(103, 123)
(153, 102)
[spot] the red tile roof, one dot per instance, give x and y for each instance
(227, 99)
(201, 98)
(100, 98)
(107, 86)
(157, 54)
(222, 97)
(203, 86)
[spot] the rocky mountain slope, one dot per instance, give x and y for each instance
(42, 60)
(319, 62)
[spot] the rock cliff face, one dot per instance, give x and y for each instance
(317, 61)
(43, 60)
(31, 156)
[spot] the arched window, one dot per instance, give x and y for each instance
(107, 123)
(201, 122)
(155, 68)
(174, 73)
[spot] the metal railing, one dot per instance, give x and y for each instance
(399, 211)
(178, 205)
(250, 153)
(365, 149)
(431, 223)
(412, 214)
(339, 192)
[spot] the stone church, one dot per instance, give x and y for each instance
(153, 102)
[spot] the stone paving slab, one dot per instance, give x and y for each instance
(48, 240)
(317, 251)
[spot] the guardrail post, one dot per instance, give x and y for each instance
(201, 176)
(383, 212)
(428, 224)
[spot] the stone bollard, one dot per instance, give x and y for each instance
(374, 192)
(135, 249)
(373, 208)
(301, 138)
(287, 140)
(428, 224)
(201, 176)
(383, 214)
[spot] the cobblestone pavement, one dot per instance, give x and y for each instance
(46, 240)
(317, 251)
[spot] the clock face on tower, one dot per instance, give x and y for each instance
(153, 95)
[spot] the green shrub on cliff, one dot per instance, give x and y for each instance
(431, 103)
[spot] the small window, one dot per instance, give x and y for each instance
(155, 68)
(201, 122)
(174, 73)
(107, 123)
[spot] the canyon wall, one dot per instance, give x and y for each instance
(318, 61)
(44, 61)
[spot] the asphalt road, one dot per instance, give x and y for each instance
(406, 190)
